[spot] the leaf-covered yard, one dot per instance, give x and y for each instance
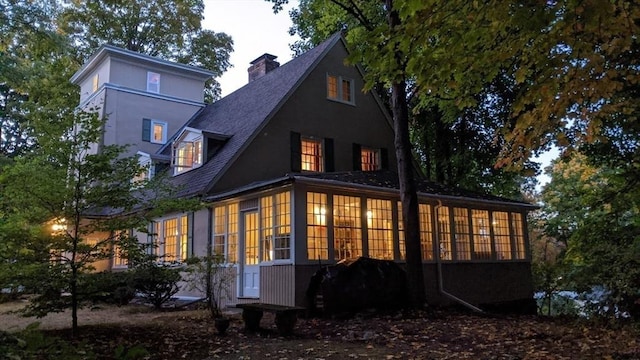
(190, 334)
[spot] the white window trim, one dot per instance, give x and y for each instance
(164, 132)
(188, 135)
(339, 97)
(150, 85)
(160, 249)
(144, 160)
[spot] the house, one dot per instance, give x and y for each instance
(297, 169)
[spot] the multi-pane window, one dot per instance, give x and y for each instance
(276, 226)
(282, 225)
(347, 228)
(170, 239)
(153, 82)
(184, 237)
(175, 239)
(219, 230)
(187, 155)
(481, 234)
(426, 239)
(312, 157)
(317, 237)
(266, 215)
(232, 233)
(518, 235)
(251, 243)
(461, 221)
(370, 159)
(225, 232)
(401, 236)
(339, 88)
(501, 236)
(380, 229)
(444, 233)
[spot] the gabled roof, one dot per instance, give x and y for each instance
(242, 114)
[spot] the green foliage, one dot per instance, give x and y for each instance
(33, 344)
(131, 353)
(156, 283)
(590, 207)
(170, 29)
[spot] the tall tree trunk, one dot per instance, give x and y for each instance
(408, 191)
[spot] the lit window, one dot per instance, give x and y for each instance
(317, 237)
(380, 229)
(426, 240)
(276, 227)
(501, 235)
(154, 131)
(444, 233)
(311, 151)
(463, 246)
(170, 239)
(225, 232)
(518, 235)
(187, 151)
(175, 232)
(232, 233)
(96, 82)
(219, 230)
(339, 89)
(153, 82)
(347, 227)
(370, 159)
(481, 234)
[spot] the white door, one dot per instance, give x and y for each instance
(250, 281)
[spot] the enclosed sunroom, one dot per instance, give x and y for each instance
(279, 233)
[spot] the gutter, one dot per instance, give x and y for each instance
(439, 268)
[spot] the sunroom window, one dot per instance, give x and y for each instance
(187, 152)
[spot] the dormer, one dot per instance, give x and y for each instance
(193, 147)
(119, 68)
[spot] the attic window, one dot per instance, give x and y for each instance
(153, 82)
(340, 89)
(187, 152)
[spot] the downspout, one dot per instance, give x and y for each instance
(439, 267)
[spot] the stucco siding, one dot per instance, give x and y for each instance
(125, 111)
(134, 76)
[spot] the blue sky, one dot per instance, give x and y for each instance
(255, 30)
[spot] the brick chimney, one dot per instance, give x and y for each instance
(262, 65)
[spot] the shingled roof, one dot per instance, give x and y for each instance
(381, 180)
(243, 113)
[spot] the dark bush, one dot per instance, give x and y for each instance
(156, 283)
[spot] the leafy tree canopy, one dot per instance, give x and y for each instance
(169, 29)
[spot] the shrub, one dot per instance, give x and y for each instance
(156, 283)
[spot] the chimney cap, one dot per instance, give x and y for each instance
(266, 56)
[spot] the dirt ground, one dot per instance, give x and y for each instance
(189, 334)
